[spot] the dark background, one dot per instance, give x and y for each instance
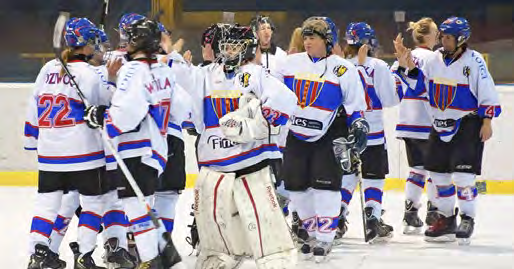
(26, 26)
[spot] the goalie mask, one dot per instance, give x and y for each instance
(237, 46)
(144, 36)
(213, 35)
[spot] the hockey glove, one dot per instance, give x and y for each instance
(342, 151)
(94, 116)
(359, 130)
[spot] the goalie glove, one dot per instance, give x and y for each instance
(246, 124)
(359, 131)
(94, 116)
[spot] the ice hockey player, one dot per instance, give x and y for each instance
(114, 223)
(56, 111)
(322, 82)
(463, 103)
(138, 121)
(414, 127)
(380, 92)
(242, 109)
(264, 29)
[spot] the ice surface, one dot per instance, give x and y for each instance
(492, 246)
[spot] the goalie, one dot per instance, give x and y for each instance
(242, 109)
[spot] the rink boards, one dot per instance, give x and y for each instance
(17, 167)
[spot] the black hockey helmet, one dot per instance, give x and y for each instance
(144, 35)
(240, 44)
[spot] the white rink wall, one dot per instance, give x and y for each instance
(498, 158)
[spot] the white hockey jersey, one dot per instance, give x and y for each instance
(321, 87)
(183, 107)
(140, 110)
(217, 95)
(414, 120)
(456, 89)
(271, 58)
(55, 124)
(380, 91)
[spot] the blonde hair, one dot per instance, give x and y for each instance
(421, 28)
(296, 42)
(65, 56)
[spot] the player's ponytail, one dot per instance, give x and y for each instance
(420, 29)
(296, 43)
(65, 56)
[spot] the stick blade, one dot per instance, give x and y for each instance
(59, 28)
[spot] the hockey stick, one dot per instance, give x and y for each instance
(105, 11)
(57, 39)
(350, 161)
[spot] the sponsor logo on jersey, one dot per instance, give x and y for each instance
(444, 123)
(220, 142)
(306, 123)
(244, 79)
(340, 70)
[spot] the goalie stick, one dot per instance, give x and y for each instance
(57, 41)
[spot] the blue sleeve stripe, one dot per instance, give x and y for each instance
(31, 130)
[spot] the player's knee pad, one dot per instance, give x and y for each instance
(466, 189)
(222, 231)
(209, 259)
(264, 224)
(282, 260)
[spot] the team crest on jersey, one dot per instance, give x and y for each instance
(307, 88)
(443, 93)
(340, 70)
(466, 71)
(244, 79)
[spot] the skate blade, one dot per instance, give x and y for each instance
(380, 240)
(441, 239)
(464, 241)
(179, 265)
(320, 259)
(411, 230)
(307, 256)
(338, 242)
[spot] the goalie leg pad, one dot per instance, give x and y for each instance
(266, 229)
(219, 224)
(281, 260)
(209, 259)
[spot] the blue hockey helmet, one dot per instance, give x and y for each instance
(79, 32)
(330, 33)
(457, 27)
(360, 33)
